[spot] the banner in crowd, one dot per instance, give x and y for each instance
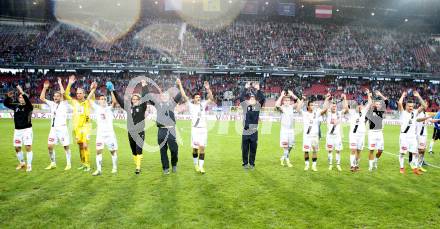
(173, 5)
(250, 7)
(211, 5)
(286, 9)
(323, 11)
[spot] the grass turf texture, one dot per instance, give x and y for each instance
(226, 196)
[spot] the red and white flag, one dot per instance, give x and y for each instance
(323, 11)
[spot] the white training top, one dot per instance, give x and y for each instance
(334, 121)
(311, 122)
(287, 117)
(422, 127)
(104, 119)
(408, 122)
(357, 121)
(58, 112)
(198, 114)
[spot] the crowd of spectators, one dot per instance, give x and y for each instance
(244, 42)
(227, 88)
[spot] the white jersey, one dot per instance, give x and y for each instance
(408, 122)
(198, 114)
(104, 119)
(58, 112)
(334, 121)
(287, 117)
(357, 121)
(311, 122)
(422, 127)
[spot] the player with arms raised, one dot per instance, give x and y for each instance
(23, 126)
(334, 134)
(408, 136)
(58, 127)
(199, 130)
(287, 132)
(105, 134)
(81, 120)
(311, 118)
(375, 133)
(357, 131)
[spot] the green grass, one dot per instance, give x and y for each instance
(226, 196)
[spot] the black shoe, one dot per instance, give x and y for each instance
(174, 169)
(137, 171)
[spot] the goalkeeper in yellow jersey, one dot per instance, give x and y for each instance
(81, 120)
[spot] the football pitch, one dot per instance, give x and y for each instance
(227, 196)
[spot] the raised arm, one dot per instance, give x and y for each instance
(182, 92)
(260, 96)
(326, 104)
(300, 104)
(400, 102)
(422, 102)
(370, 99)
(72, 80)
(279, 100)
(345, 104)
(9, 101)
(208, 89)
(243, 92)
(91, 96)
(43, 91)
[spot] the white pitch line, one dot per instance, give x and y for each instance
(397, 155)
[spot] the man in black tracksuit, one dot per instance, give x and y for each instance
(251, 111)
(135, 122)
(166, 124)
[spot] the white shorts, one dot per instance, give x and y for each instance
(58, 135)
(408, 144)
(375, 140)
(23, 137)
(310, 143)
(108, 140)
(421, 142)
(357, 141)
(287, 138)
(333, 142)
(199, 137)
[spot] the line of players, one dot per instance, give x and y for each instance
(412, 138)
(413, 135)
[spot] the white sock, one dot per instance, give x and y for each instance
(286, 154)
(330, 158)
(68, 156)
(52, 156)
(201, 162)
(196, 161)
(20, 157)
(115, 161)
(29, 156)
(338, 158)
(421, 159)
(307, 163)
(314, 163)
(415, 160)
(370, 163)
(357, 162)
(431, 145)
(99, 162)
(376, 159)
(352, 160)
(402, 160)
